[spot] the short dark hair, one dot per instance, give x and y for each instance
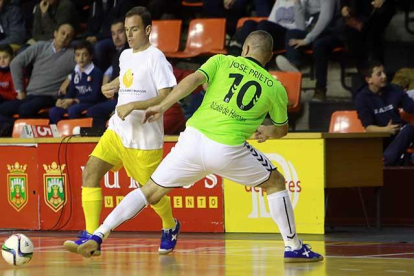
(118, 20)
(6, 48)
(64, 23)
(141, 12)
(83, 44)
(369, 67)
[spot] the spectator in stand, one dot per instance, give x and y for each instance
(7, 92)
(365, 23)
(233, 10)
(378, 105)
(324, 35)
(101, 112)
(84, 89)
(48, 15)
(12, 29)
(52, 63)
(98, 30)
(281, 19)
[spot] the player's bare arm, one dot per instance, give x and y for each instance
(185, 87)
(265, 132)
(110, 88)
(126, 109)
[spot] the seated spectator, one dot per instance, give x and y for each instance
(52, 62)
(12, 28)
(84, 88)
(98, 30)
(101, 112)
(365, 23)
(378, 106)
(7, 92)
(281, 19)
(404, 78)
(324, 36)
(48, 15)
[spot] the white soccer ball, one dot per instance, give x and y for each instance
(17, 250)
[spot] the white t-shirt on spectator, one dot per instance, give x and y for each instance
(283, 13)
(141, 75)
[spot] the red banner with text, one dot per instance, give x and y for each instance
(41, 189)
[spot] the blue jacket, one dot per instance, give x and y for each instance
(86, 86)
(379, 109)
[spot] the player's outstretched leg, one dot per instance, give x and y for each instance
(129, 207)
(281, 211)
(91, 195)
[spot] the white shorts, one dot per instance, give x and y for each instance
(195, 156)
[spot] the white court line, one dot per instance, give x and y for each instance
(396, 271)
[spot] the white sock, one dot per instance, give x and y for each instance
(282, 213)
(129, 207)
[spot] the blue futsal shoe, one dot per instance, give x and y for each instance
(302, 255)
(90, 247)
(72, 246)
(169, 239)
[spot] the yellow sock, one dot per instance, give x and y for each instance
(92, 206)
(163, 209)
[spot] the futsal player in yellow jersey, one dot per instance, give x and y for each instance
(145, 79)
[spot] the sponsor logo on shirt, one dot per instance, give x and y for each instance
(383, 109)
(128, 78)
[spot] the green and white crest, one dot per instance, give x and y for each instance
(17, 186)
(55, 186)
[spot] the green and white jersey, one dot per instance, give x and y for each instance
(240, 94)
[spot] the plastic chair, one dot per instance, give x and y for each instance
(166, 35)
(18, 125)
(205, 37)
(345, 122)
(192, 3)
(407, 117)
(65, 127)
(241, 21)
(292, 81)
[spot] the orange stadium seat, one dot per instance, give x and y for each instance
(241, 21)
(345, 122)
(407, 117)
(65, 127)
(192, 3)
(18, 125)
(205, 37)
(292, 81)
(166, 35)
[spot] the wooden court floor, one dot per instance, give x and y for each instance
(211, 254)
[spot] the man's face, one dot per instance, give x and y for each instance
(378, 78)
(63, 36)
(5, 59)
(136, 33)
(118, 34)
(82, 57)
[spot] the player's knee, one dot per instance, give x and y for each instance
(276, 182)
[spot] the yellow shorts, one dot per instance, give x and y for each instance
(139, 164)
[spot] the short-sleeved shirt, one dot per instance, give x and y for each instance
(141, 76)
(240, 94)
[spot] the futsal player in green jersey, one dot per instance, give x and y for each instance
(239, 96)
